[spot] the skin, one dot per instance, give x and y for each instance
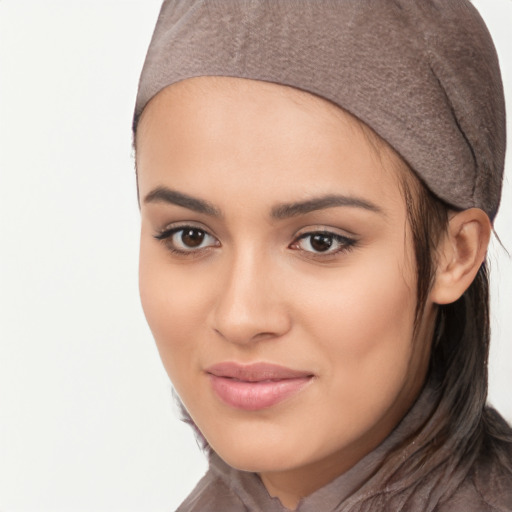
(255, 291)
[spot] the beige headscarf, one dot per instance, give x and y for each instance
(423, 74)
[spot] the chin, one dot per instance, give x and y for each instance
(259, 461)
(261, 450)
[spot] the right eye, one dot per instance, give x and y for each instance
(187, 239)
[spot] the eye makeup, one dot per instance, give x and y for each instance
(187, 240)
(190, 240)
(323, 243)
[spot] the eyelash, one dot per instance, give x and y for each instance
(166, 236)
(344, 243)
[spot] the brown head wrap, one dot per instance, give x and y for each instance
(423, 74)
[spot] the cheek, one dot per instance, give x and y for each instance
(365, 325)
(174, 302)
(364, 302)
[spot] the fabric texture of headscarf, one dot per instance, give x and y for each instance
(423, 74)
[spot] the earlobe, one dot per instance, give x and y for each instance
(460, 254)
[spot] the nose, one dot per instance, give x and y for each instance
(250, 303)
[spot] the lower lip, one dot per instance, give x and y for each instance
(253, 396)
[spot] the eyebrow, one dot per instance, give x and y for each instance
(282, 211)
(166, 195)
(285, 211)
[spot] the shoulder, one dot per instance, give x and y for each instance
(211, 494)
(486, 488)
(469, 498)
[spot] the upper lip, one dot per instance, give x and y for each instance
(255, 372)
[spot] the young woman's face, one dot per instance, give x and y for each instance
(277, 275)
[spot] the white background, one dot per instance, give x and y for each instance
(87, 421)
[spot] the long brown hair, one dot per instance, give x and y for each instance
(462, 427)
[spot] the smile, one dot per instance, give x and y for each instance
(256, 386)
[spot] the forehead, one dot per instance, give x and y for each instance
(231, 129)
(205, 89)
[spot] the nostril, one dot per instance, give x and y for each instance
(252, 330)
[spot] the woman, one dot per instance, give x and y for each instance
(317, 183)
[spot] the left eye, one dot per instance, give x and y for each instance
(323, 243)
(187, 239)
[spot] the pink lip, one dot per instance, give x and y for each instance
(255, 386)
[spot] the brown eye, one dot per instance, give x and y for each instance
(187, 239)
(321, 242)
(192, 237)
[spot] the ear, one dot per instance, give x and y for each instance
(460, 254)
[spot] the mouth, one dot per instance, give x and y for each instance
(256, 386)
